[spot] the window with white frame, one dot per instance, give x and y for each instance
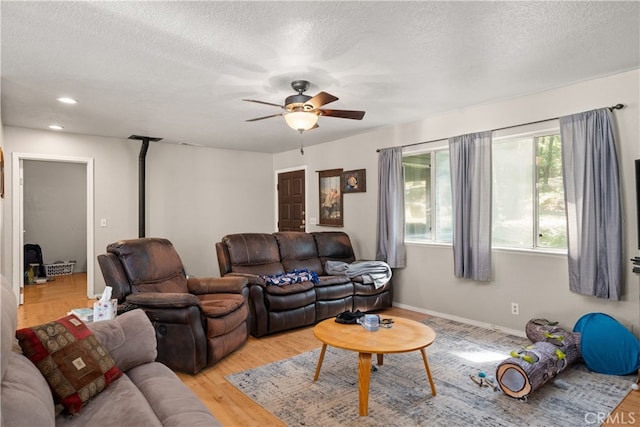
(528, 196)
(427, 192)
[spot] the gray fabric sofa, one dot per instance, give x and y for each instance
(147, 394)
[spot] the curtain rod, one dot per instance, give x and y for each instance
(615, 107)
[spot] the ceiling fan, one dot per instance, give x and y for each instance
(301, 111)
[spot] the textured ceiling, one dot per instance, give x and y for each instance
(179, 70)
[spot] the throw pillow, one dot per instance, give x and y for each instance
(76, 366)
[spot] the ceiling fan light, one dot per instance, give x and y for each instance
(301, 120)
(67, 100)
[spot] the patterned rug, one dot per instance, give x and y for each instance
(400, 394)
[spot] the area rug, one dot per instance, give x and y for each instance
(400, 394)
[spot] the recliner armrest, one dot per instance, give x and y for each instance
(253, 279)
(163, 299)
(217, 285)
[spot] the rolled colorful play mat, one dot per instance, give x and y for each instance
(542, 330)
(539, 330)
(531, 367)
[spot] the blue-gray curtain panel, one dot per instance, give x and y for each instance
(470, 164)
(390, 233)
(592, 202)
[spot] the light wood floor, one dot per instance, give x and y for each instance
(54, 299)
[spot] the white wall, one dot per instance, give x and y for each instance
(197, 195)
(55, 210)
(194, 195)
(538, 283)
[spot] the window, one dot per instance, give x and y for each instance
(528, 195)
(427, 193)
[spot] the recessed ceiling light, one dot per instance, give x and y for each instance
(55, 127)
(66, 100)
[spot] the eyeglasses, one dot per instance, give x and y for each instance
(386, 323)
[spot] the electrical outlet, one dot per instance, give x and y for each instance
(515, 308)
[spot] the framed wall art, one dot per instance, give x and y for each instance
(354, 181)
(330, 191)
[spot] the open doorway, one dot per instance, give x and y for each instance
(55, 219)
(26, 163)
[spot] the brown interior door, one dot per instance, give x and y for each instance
(291, 208)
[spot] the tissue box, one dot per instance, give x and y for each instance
(84, 314)
(105, 310)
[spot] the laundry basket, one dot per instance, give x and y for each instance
(59, 269)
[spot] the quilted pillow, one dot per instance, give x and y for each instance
(76, 366)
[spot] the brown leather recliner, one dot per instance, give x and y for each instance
(198, 321)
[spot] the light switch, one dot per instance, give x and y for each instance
(103, 222)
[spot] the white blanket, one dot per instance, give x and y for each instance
(376, 272)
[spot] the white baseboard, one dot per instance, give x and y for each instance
(462, 320)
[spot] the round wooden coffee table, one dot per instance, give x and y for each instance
(405, 335)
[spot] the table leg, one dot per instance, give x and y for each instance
(380, 359)
(426, 365)
(320, 359)
(364, 374)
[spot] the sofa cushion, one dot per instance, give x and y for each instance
(171, 400)
(218, 305)
(292, 289)
(298, 251)
(71, 359)
(122, 404)
(117, 335)
(222, 325)
(26, 397)
(333, 280)
(253, 253)
(8, 320)
(333, 246)
(151, 265)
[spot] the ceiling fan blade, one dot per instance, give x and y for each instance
(323, 98)
(343, 114)
(265, 103)
(262, 118)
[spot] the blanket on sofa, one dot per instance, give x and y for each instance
(376, 272)
(296, 276)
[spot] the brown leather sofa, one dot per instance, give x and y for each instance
(198, 321)
(278, 308)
